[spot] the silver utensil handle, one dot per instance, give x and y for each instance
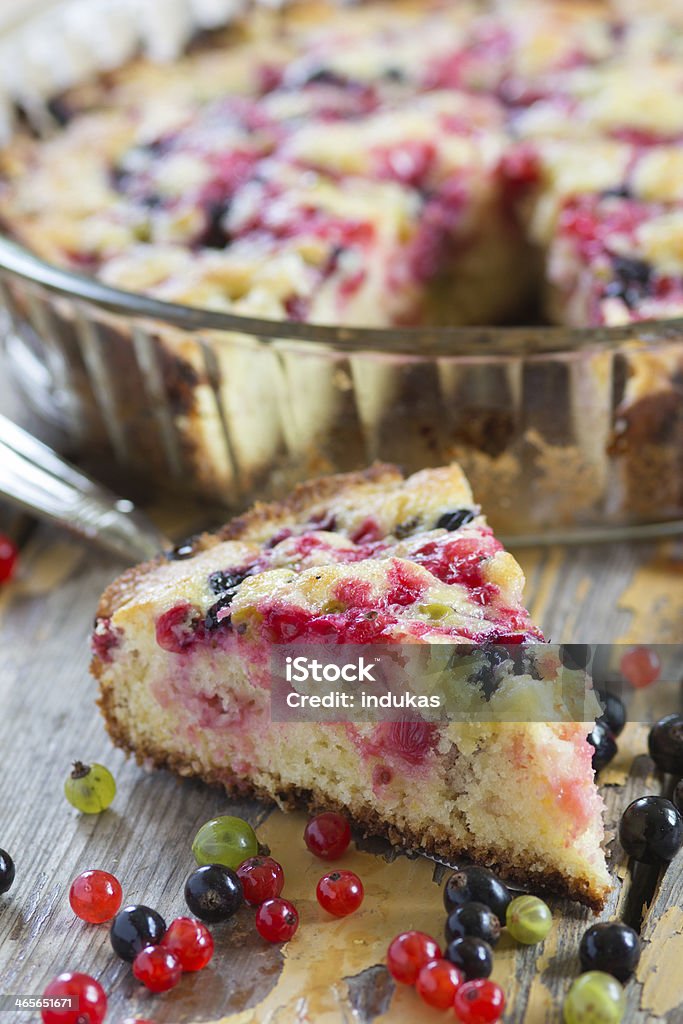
(41, 482)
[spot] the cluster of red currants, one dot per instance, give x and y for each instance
(214, 892)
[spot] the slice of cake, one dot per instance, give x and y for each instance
(183, 650)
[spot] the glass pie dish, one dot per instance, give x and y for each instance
(557, 428)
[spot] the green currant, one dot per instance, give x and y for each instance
(595, 998)
(225, 840)
(90, 788)
(528, 919)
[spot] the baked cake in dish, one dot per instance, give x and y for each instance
(182, 645)
(357, 166)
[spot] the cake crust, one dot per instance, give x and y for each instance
(369, 823)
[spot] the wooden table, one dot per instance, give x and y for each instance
(332, 971)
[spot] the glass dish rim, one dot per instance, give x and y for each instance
(418, 342)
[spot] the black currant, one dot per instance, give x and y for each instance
(604, 743)
(213, 892)
(474, 919)
(575, 656)
(135, 927)
(473, 956)
(454, 520)
(611, 947)
(651, 830)
(678, 796)
(476, 885)
(665, 744)
(613, 712)
(6, 872)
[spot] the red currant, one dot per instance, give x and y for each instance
(95, 896)
(479, 1002)
(8, 558)
(340, 892)
(437, 983)
(641, 666)
(277, 920)
(327, 835)
(90, 1002)
(262, 879)
(408, 953)
(190, 941)
(157, 968)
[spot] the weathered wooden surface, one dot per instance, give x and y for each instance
(330, 972)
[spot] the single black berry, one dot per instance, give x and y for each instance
(182, 551)
(135, 927)
(217, 615)
(613, 712)
(224, 582)
(678, 796)
(476, 885)
(611, 947)
(473, 956)
(6, 872)
(454, 520)
(604, 743)
(575, 656)
(632, 280)
(665, 743)
(651, 830)
(213, 893)
(475, 919)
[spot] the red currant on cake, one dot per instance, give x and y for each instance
(262, 879)
(95, 896)
(328, 835)
(191, 943)
(157, 968)
(437, 983)
(340, 892)
(408, 953)
(479, 1002)
(9, 557)
(88, 997)
(277, 920)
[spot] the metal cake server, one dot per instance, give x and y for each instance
(39, 481)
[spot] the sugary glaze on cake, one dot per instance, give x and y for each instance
(181, 651)
(356, 167)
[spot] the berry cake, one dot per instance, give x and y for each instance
(359, 167)
(182, 648)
